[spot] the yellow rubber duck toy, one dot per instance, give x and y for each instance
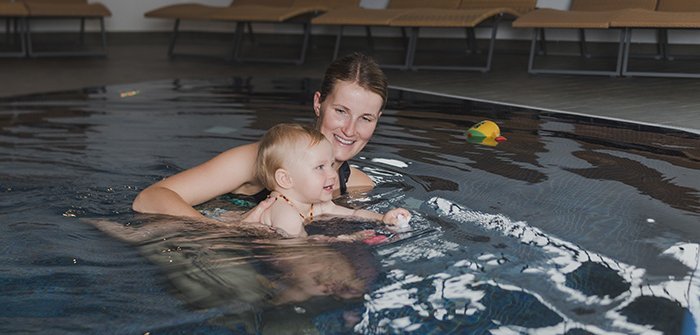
(485, 132)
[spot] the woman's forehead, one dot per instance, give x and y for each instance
(355, 97)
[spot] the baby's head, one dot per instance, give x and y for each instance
(281, 146)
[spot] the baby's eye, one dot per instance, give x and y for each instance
(320, 167)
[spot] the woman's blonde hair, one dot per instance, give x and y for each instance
(278, 143)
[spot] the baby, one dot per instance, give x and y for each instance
(297, 164)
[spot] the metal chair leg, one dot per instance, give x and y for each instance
(87, 53)
(173, 39)
(543, 42)
(482, 68)
(338, 37)
(82, 31)
(370, 40)
(583, 49)
(618, 65)
(15, 33)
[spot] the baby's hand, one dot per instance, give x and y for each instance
(398, 217)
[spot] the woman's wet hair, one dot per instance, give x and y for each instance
(278, 143)
(355, 68)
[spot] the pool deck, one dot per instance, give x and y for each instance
(669, 102)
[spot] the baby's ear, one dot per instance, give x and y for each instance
(283, 179)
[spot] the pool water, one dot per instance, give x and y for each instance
(574, 225)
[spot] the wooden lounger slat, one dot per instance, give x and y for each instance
(656, 19)
(678, 6)
(12, 9)
(196, 11)
(358, 17)
(68, 10)
(446, 18)
(379, 17)
(610, 5)
(553, 18)
(518, 6)
(265, 13)
(183, 11)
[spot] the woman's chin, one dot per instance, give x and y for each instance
(343, 156)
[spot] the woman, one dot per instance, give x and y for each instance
(347, 107)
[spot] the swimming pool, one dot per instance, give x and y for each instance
(574, 225)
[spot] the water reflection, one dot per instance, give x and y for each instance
(247, 270)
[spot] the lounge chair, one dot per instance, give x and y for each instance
(67, 9)
(15, 14)
(469, 15)
(300, 12)
(368, 18)
(583, 14)
(669, 15)
(200, 12)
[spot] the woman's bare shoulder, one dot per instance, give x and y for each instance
(247, 151)
(359, 180)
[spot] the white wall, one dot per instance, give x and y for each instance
(127, 16)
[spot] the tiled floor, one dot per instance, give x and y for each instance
(142, 57)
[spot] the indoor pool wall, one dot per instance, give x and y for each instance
(574, 224)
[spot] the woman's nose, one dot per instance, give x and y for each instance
(349, 127)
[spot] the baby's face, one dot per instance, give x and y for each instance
(313, 172)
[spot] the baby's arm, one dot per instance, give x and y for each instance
(396, 216)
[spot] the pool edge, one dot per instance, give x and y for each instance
(550, 110)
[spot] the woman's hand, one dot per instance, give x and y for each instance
(397, 217)
(255, 215)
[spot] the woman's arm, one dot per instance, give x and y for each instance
(232, 170)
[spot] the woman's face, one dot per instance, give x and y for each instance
(348, 117)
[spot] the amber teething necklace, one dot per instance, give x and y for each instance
(311, 210)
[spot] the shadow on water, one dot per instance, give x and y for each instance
(574, 225)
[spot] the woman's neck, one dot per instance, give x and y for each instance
(338, 164)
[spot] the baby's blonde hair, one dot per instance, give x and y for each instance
(280, 142)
